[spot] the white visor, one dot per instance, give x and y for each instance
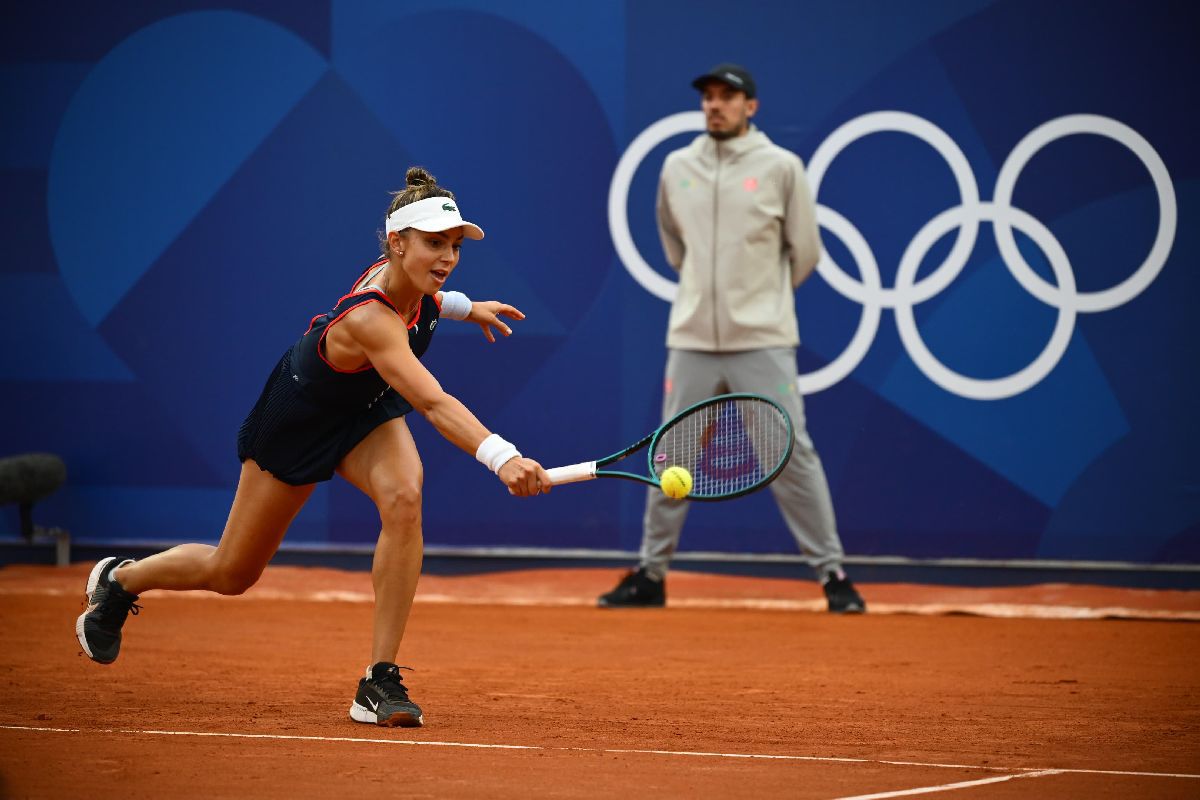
(433, 214)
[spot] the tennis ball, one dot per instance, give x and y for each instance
(676, 482)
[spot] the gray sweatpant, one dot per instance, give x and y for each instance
(800, 490)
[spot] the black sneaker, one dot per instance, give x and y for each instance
(636, 589)
(842, 596)
(382, 699)
(108, 605)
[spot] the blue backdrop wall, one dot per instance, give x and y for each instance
(1000, 349)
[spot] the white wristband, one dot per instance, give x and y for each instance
(495, 452)
(455, 305)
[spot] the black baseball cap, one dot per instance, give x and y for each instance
(733, 75)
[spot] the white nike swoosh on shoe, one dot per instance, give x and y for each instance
(374, 706)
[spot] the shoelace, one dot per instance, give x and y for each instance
(391, 684)
(117, 608)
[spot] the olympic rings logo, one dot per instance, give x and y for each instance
(908, 291)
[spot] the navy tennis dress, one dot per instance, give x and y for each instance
(311, 414)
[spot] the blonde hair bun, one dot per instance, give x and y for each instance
(419, 176)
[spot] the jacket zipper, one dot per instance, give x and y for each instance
(713, 272)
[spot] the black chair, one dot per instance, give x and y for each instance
(26, 479)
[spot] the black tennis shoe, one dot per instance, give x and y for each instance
(843, 598)
(98, 628)
(382, 699)
(636, 590)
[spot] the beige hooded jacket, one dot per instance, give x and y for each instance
(737, 221)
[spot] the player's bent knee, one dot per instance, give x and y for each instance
(400, 504)
(231, 581)
(232, 584)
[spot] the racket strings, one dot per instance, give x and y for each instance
(729, 447)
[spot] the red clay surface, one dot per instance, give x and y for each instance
(735, 691)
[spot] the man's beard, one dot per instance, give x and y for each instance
(724, 135)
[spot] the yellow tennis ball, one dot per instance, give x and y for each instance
(676, 482)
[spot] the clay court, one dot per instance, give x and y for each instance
(742, 687)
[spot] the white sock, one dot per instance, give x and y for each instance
(112, 573)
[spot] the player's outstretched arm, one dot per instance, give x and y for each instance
(384, 341)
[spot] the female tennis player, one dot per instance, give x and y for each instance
(336, 402)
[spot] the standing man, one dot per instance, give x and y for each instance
(737, 222)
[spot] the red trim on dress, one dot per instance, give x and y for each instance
(416, 317)
(376, 297)
(383, 298)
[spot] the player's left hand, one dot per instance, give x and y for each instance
(486, 314)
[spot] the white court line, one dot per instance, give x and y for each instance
(764, 756)
(277, 736)
(996, 610)
(842, 760)
(946, 787)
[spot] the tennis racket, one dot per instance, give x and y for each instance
(731, 444)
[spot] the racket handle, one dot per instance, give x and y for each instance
(573, 473)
